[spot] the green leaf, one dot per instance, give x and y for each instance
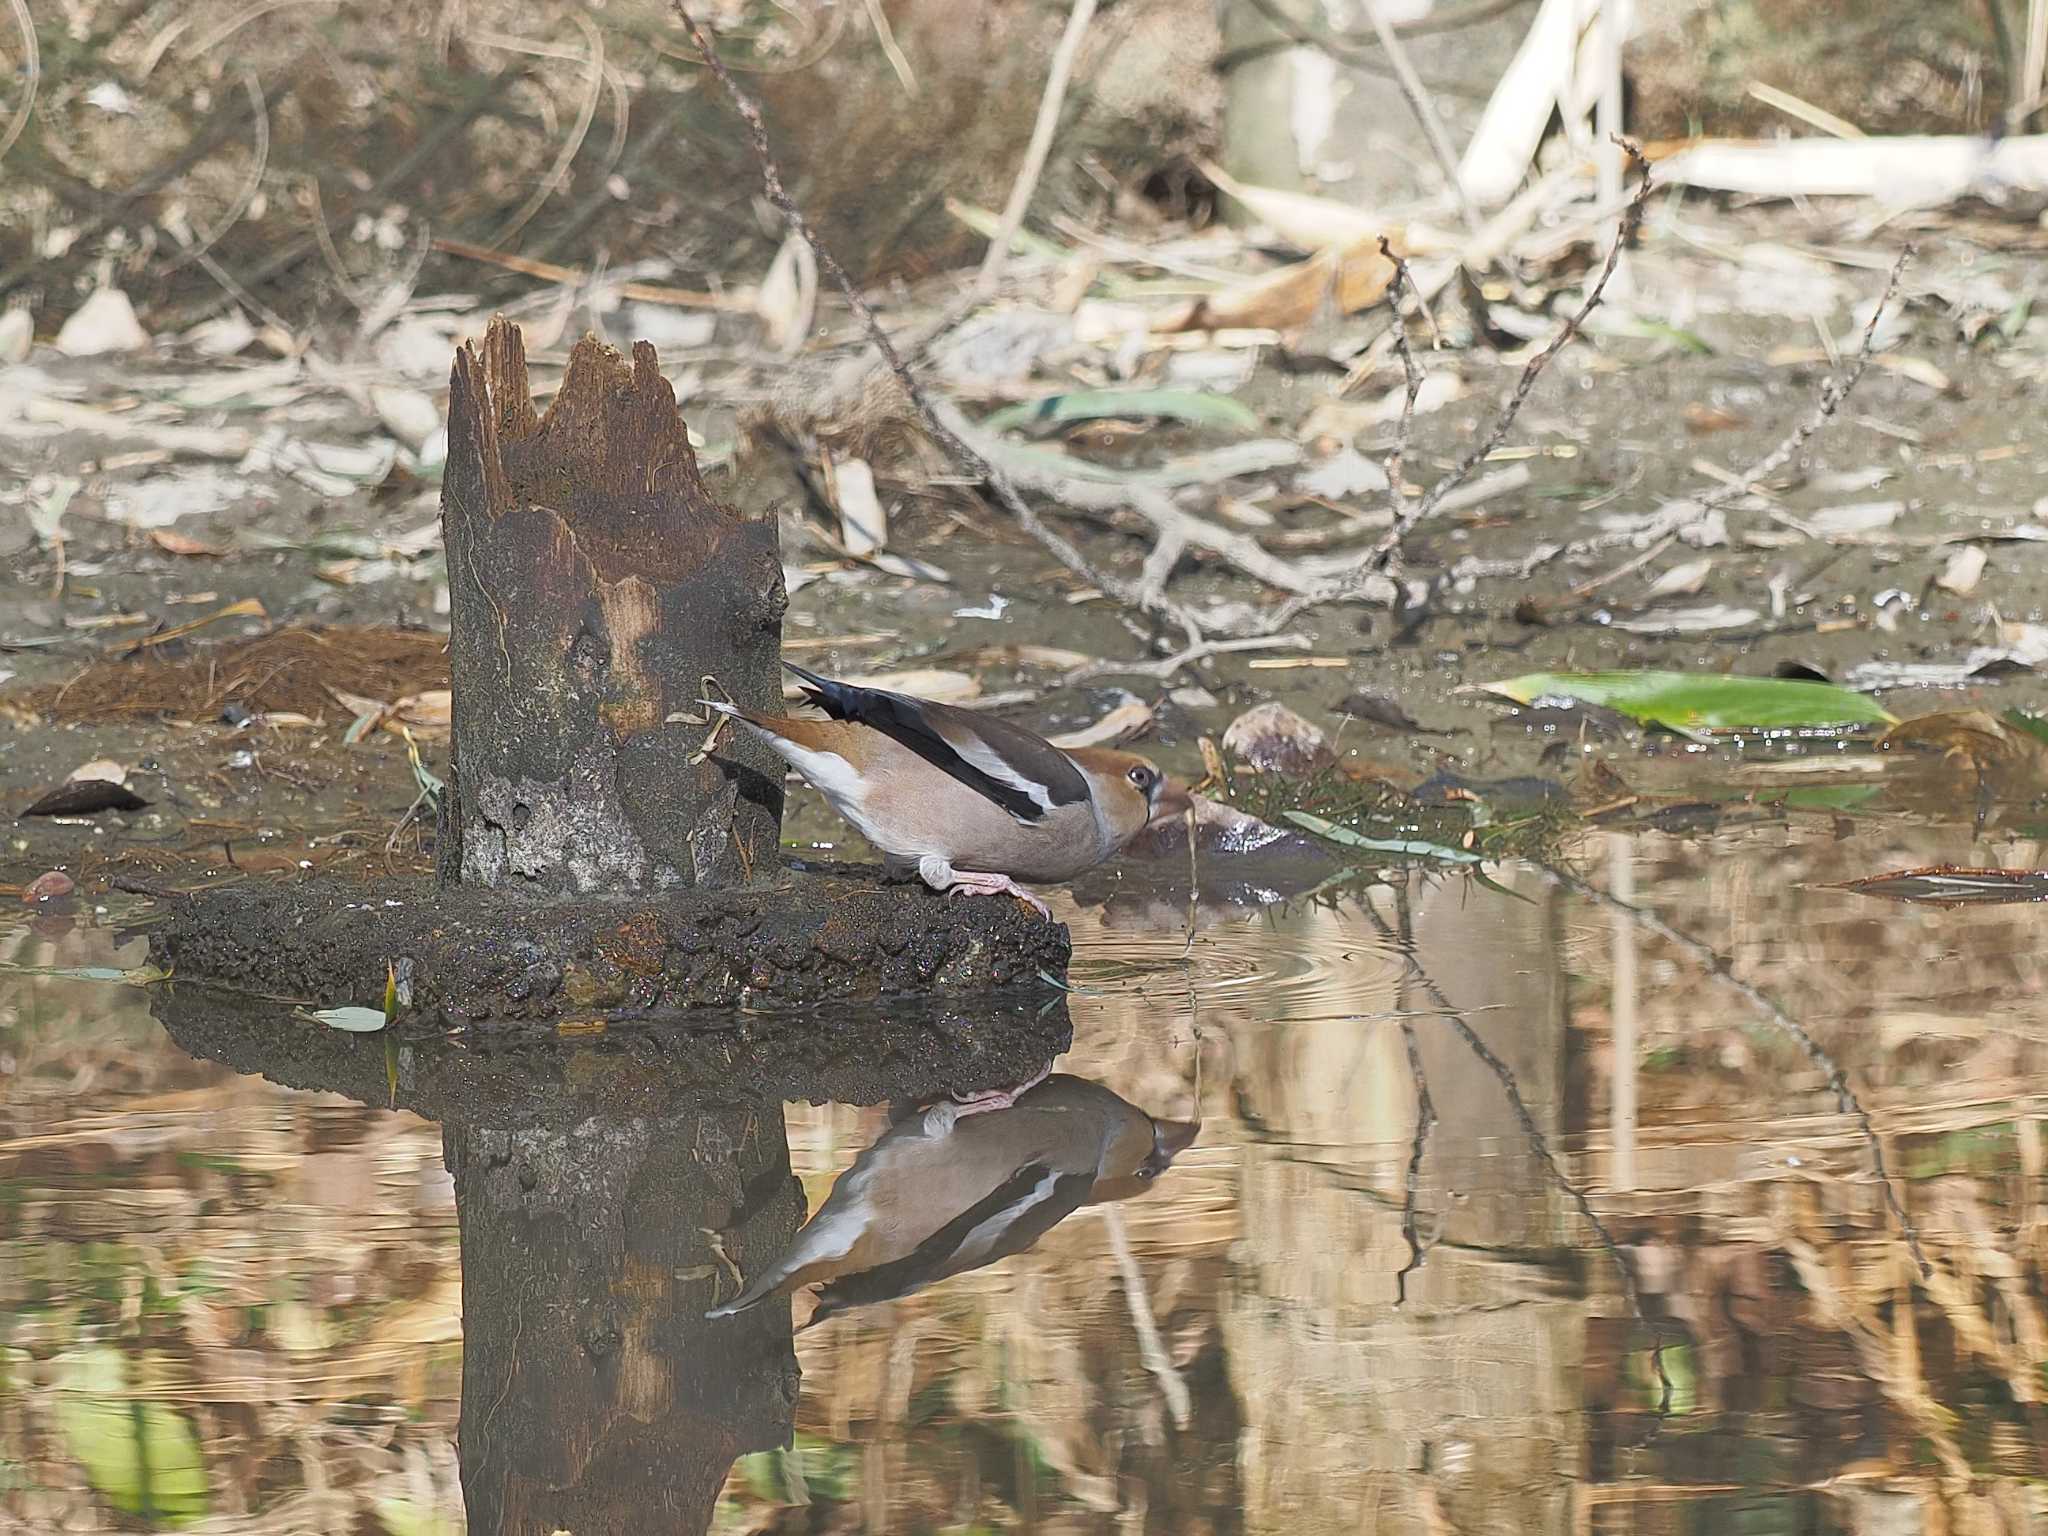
(357, 1021)
(1665, 331)
(138, 976)
(1191, 406)
(1688, 703)
(1403, 847)
(142, 1457)
(402, 1517)
(2035, 726)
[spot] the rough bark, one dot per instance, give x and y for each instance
(594, 585)
(608, 1188)
(596, 1398)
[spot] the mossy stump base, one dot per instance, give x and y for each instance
(474, 956)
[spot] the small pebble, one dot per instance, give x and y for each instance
(48, 886)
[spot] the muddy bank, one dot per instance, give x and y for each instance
(467, 956)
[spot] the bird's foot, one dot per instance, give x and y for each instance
(997, 1098)
(941, 876)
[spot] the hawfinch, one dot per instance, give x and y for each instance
(943, 1192)
(970, 802)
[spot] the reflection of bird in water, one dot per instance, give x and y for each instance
(967, 800)
(943, 1192)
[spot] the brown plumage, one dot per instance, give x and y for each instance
(971, 802)
(943, 1192)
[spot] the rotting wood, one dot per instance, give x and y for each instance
(594, 584)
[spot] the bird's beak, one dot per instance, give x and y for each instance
(1173, 799)
(1170, 1138)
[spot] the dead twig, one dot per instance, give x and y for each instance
(1389, 543)
(1404, 943)
(1834, 390)
(1719, 967)
(1419, 104)
(1411, 371)
(32, 73)
(1151, 1348)
(1048, 538)
(1040, 146)
(1425, 1122)
(1167, 666)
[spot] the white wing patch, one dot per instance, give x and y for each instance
(980, 755)
(833, 777)
(988, 1233)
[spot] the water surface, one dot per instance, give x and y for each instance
(241, 1304)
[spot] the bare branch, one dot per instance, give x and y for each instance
(1048, 538)
(1834, 390)
(1838, 1080)
(1039, 147)
(1425, 1122)
(1425, 112)
(1389, 543)
(1411, 371)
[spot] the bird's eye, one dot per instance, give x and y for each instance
(1146, 1172)
(1141, 776)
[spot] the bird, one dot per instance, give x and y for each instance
(944, 1191)
(970, 802)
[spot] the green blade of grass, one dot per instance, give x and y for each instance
(1691, 702)
(1185, 405)
(1403, 847)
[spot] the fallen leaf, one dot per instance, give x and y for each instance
(354, 1020)
(1964, 570)
(17, 336)
(1683, 579)
(86, 797)
(104, 323)
(1688, 621)
(172, 542)
(1688, 703)
(1195, 407)
(863, 524)
(1701, 417)
(1345, 473)
(408, 414)
(1304, 221)
(1128, 719)
(1401, 847)
(1947, 885)
(1348, 280)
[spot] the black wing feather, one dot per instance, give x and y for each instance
(930, 1260)
(906, 721)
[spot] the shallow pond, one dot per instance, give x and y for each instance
(245, 1306)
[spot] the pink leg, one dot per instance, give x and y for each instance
(941, 876)
(998, 1098)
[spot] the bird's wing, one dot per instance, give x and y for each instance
(1025, 775)
(1013, 1216)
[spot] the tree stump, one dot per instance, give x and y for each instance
(594, 863)
(591, 858)
(596, 590)
(606, 1184)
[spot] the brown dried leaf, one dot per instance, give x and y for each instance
(172, 542)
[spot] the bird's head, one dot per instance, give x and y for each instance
(1132, 791)
(1137, 1158)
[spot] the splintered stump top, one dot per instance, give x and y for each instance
(594, 583)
